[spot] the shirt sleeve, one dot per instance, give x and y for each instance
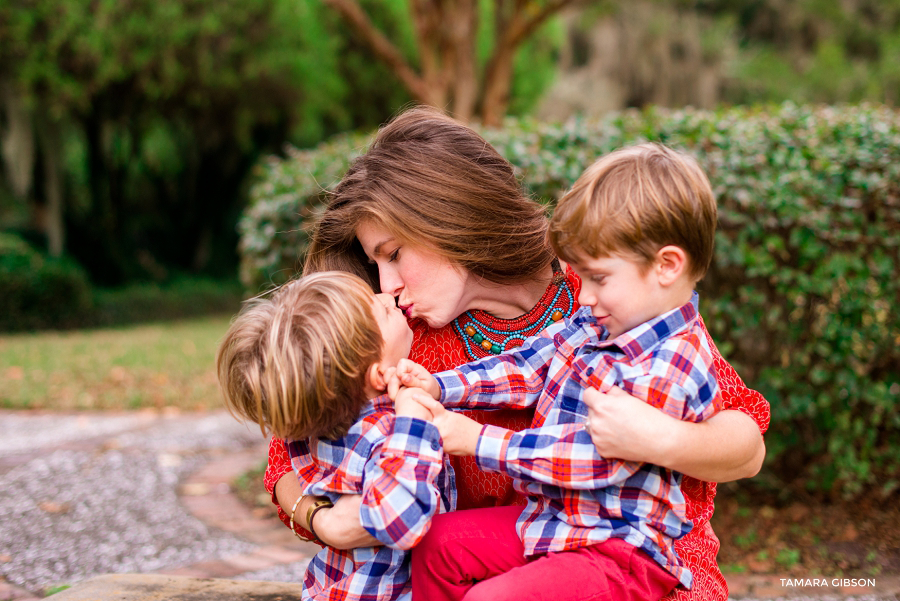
(681, 380)
(511, 380)
(400, 494)
(561, 455)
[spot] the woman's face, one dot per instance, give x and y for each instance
(425, 284)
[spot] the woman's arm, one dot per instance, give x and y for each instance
(624, 427)
(337, 526)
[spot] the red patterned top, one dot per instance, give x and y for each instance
(449, 346)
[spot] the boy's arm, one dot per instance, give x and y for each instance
(512, 380)
(399, 492)
(562, 455)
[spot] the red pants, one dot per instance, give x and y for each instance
(477, 555)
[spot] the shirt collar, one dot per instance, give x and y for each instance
(647, 335)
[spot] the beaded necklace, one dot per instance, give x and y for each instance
(483, 334)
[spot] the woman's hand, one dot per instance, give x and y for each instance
(339, 526)
(412, 375)
(459, 434)
(624, 427)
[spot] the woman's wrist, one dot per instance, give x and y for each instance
(289, 494)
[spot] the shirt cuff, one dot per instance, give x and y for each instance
(414, 435)
(491, 450)
(454, 388)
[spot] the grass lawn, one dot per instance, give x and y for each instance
(156, 365)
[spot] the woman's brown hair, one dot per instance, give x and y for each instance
(434, 182)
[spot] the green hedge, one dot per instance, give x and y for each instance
(803, 295)
(38, 292)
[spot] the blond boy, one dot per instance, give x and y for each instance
(638, 228)
(309, 365)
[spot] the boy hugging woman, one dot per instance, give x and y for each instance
(314, 361)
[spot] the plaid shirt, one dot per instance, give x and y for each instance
(396, 464)
(576, 497)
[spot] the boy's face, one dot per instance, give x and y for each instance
(394, 330)
(621, 292)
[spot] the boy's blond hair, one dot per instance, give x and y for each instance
(633, 202)
(296, 363)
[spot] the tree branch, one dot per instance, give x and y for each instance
(520, 28)
(351, 11)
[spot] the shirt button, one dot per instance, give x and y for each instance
(435, 446)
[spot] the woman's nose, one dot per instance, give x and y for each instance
(390, 281)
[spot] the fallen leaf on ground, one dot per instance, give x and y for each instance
(54, 507)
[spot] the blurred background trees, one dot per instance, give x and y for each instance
(130, 128)
(136, 134)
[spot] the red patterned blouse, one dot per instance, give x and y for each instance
(476, 334)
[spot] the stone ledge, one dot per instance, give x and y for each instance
(157, 587)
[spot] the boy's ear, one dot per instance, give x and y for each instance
(375, 377)
(671, 263)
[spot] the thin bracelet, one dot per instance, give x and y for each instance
(320, 503)
(294, 509)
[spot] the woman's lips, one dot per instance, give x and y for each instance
(406, 310)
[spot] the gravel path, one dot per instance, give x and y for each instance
(97, 494)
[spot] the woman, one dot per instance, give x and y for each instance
(433, 215)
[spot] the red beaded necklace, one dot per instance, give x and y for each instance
(483, 334)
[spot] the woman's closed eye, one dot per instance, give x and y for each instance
(394, 255)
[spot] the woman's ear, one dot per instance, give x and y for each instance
(375, 377)
(671, 263)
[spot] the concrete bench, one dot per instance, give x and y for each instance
(156, 587)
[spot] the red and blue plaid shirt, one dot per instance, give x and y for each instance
(576, 497)
(397, 464)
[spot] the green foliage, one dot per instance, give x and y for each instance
(803, 292)
(39, 291)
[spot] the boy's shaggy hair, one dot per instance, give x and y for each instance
(296, 363)
(633, 202)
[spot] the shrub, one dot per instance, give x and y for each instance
(38, 291)
(178, 299)
(803, 293)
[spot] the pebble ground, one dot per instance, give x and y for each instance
(88, 494)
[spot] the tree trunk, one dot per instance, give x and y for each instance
(497, 82)
(463, 28)
(51, 146)
(17, 142)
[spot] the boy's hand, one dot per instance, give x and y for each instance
(412, 375)
(458, 432)
(406, 405)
